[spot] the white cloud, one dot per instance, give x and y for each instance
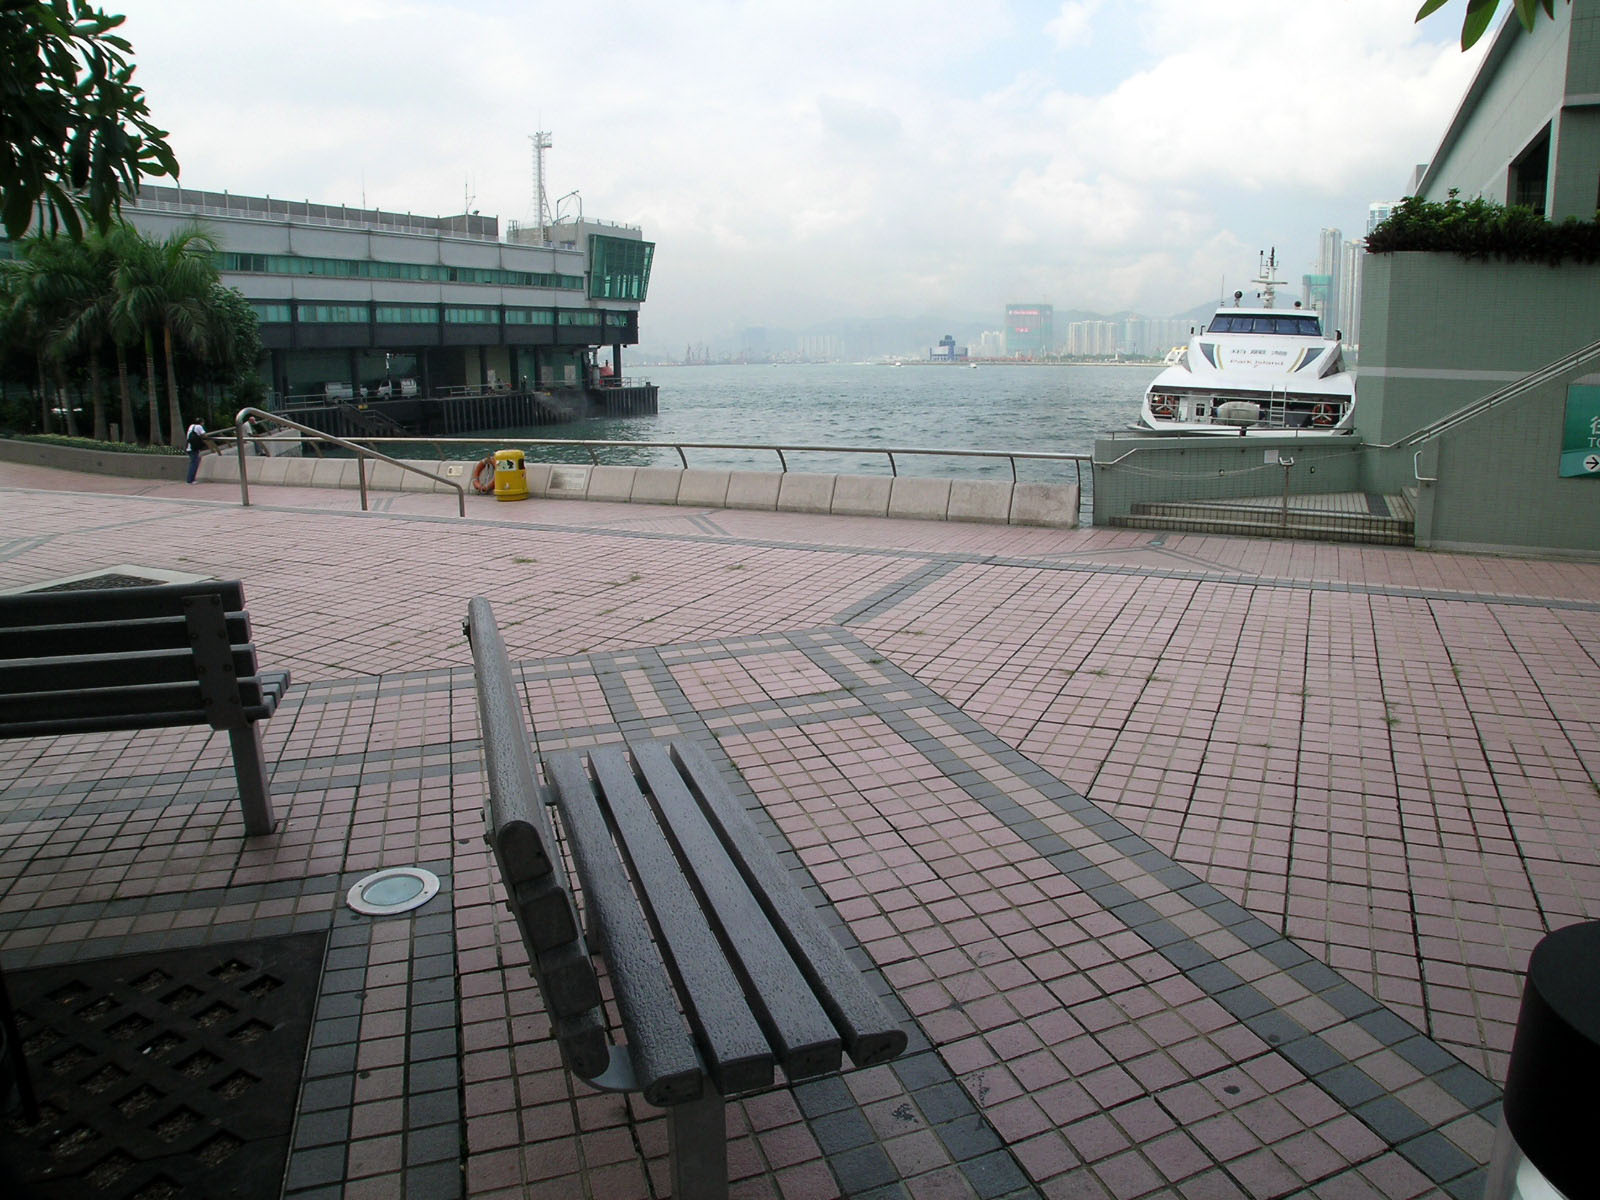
(796, 161)
(1071, 25)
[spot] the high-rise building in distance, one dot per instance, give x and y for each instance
(1029, 330)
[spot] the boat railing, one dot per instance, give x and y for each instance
(591, 446)
(242, 425)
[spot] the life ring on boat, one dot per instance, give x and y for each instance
(1162, 408)
(1324, 414)
(483, 477)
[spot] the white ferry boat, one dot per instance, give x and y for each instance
(1261, 370)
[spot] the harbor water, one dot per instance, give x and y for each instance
(994, 407)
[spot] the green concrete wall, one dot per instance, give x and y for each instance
(1439, 331)
(97, 462)
(1499, 486)
(1147, 470)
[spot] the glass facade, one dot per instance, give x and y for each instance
(408, 314)
(619, 268)
(333, 314)
(580, 316)
(457, 315)
(530, 316)
(360, 268)
(269, 314)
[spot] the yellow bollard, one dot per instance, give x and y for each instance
(510, 475)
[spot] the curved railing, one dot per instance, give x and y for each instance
(361, 452)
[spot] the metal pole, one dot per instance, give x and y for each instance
(1286, 464)
(361, 474)
(244, 481)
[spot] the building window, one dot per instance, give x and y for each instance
(270, 314)
(619, 268)
(454, 315)
(408, 314)
(577, 316)
(530, 316)
(333, 314)
(1530, 175)
(360, 268)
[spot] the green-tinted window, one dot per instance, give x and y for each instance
(360, 268)
(577, 316)
(455, 315)
(333, 314)
(408, 314)
(270, 313)
(619, 268)
(530, 316)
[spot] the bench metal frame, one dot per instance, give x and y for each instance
(721, 970)
(141, 658)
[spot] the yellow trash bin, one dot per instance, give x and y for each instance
(510, 475)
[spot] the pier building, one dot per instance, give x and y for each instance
(436, 324)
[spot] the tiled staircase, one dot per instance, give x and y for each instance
(1340, 517)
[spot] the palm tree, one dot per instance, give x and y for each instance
(45, 290)
(89, 293)
(140, 300)
(188, 272)
(123, 242)
(19, 325)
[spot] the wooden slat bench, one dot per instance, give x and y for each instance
(720, 968)
(141, 658)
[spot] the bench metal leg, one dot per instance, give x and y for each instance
(697, 1139)
(250, 769)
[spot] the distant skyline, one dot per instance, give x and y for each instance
(799, 163)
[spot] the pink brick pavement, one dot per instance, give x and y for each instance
(1203, 866)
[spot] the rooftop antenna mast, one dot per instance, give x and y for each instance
(541, 198)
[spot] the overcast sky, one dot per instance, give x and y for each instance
(795, 162)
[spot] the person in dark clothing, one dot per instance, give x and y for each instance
(197, 442)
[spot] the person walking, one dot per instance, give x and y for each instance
(196, 435)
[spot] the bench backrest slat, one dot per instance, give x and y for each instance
(731, 1040)
(663, 1055)
(799, 1030)
(108, 637)
(141, 706)
(113, 604)
(869, 1035)
(74, 672)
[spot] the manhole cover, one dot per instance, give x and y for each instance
(164, 1075)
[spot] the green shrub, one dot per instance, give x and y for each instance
(1480, 228)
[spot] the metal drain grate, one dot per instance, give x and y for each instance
(165, 1075)
(100, 581)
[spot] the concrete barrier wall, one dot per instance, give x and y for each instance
(1135, 470)
(993, 501)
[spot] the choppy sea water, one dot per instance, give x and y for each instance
(1028, 408)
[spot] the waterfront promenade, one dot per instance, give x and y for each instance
(1198, 867)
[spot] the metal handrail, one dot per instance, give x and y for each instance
(782, 451)
(1494, 399)
(361, 453)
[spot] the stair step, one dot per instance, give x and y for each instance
(1388, 533)
(1252, 515)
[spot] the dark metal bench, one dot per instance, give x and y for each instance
(720, 968)
(141, 658)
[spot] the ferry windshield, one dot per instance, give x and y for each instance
(1302, 324)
